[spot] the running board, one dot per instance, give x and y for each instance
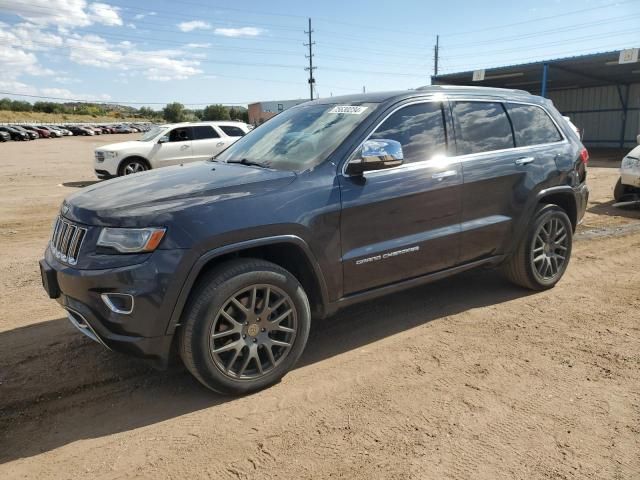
(413, 282)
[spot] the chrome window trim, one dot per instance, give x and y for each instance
(468, 156)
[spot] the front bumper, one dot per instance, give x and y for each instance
(154, 284)
(630, 176)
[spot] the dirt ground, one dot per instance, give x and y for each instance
(470, 377)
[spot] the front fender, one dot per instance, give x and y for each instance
(210, 255)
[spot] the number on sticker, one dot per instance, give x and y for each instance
(349, 109)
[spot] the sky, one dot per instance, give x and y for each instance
(201, 52)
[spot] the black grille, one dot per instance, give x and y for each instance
(66, 241)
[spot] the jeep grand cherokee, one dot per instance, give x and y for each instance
(332, 202)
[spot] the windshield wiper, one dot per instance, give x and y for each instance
(251, 163)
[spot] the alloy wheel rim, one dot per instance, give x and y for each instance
(549, 249)
(133, 167)
(253, 332)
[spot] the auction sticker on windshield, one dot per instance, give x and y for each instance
(350, 109)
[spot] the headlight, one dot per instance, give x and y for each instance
(630, 162)
(131, 240)
(110, 154)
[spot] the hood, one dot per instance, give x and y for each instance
(121, 145)
(155, 195)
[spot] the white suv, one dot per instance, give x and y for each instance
(166, 145)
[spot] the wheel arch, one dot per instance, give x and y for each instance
(132, 157)
(288, 251)
(563, 197)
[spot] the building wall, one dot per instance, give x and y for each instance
(599, 113)
(262, 111)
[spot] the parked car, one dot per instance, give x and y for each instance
(32, 134)
(166, 145)
(42, 133)
(15, 133)
(52, 131)
(77, 130)
(4, 136)
(628, 185)
(330, 203)
(64, 129)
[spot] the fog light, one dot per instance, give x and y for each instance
(118, 302)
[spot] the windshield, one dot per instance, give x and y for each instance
(151, 134)
(299, 138)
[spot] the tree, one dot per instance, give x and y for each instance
(174, 112)
(146, 112)
(216, 112)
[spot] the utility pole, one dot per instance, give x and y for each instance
(310, 68)
(436, 54)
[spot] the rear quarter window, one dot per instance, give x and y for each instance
(532, 125)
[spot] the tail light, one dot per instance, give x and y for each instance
(584, 155)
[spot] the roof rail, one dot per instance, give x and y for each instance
(472, 87)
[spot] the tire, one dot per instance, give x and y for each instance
(132, 165)
(236, 360)
(619, 190)
(538, 264)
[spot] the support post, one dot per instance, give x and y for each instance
(625, 109)
(310, 68)
(545, 69)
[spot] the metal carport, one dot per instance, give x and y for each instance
(600, 92)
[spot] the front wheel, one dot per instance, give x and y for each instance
(245, 326)
(132, 166)
(543, 254)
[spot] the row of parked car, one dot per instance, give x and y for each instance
(32, 132)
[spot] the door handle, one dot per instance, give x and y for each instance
(442, 175)
(524, 160)
(219, 144)
(184, 147)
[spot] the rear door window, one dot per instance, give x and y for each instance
(532, 125)
(231, 130)
(203, 132)
(481, 127)
(420, 130)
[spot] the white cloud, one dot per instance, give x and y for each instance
(140, 16)
(29, 37)
(21, 88)
(239, 32)
(92, 50)
(194, 25)
(105, 14)
(63, 13)
(198, 45)
(161, 65)
(132, 25)
(16, 62)
(68, 95)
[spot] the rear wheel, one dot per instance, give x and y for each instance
(543, 254)
(244, 327)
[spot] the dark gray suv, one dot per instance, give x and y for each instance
(332, 202)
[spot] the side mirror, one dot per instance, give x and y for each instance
(164, 139)
(376, 155)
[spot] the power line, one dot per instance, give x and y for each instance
(577, 26)
(539, 19)
(544, 45)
